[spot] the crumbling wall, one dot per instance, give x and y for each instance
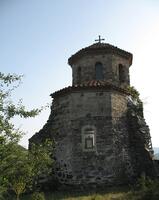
(140, 146)
(123, 144)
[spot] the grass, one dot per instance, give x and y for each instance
(111, 194)
(144, 189)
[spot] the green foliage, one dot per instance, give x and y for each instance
(38, 196)
(18, 186)
(8, 109)
(23, 168)
(12, 165)
(17, 166)
(148, 188)
(137, 107)
(40, 162)
(134, 93)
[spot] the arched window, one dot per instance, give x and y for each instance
(79, 75)
(121, 73)
(99, 71)
(88, 138)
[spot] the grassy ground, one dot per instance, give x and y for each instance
(144, 189)
(114, 194)
(95, 196)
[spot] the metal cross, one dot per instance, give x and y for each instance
(100, 39)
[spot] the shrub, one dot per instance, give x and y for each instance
(38, 196)
(148, 189)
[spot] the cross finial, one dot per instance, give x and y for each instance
(99, 39)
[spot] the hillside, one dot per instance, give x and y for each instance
(156, 150)
(157, 156)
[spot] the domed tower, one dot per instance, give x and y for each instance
(90, 116)
(101, 62)
(89, 120)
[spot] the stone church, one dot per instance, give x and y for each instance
(97, 124)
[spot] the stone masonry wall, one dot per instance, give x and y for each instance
(116, 60)
(110, 68)
(73, 164)
(124, 170)
(119, 152)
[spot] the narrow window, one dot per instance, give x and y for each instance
(79, 75)
(121, 73)
(99, 71)
(89, 140)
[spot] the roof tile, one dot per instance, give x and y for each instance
(89, 85)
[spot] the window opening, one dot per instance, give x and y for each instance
(99, 71)
(88, 138)
(121, 73)
(79, 75)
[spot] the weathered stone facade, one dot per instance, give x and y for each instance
(99, 137)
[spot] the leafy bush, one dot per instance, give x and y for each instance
(148, 189)
(38, 196)
(135, 94)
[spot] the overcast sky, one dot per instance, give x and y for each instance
(38, 36)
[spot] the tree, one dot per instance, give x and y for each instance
(26, 167)
(11, 157)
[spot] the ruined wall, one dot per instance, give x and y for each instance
(140, 146)
(119, 155)
(124, 170)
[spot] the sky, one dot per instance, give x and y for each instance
(38, 36)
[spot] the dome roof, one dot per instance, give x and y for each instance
(100, 48)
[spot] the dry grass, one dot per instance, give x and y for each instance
(116, 195)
